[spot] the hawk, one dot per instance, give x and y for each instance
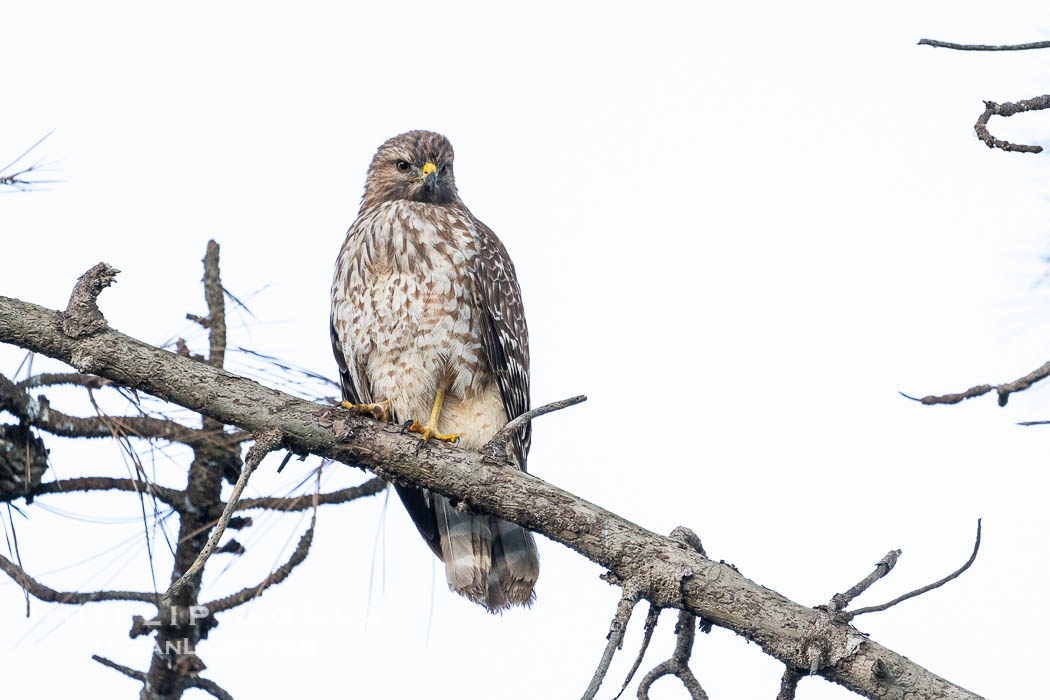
(427, 324)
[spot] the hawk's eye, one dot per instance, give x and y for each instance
(403, 166)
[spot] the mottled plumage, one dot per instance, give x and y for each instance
(425, 299)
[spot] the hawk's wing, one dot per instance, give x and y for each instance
(353, 391)
(505, 334)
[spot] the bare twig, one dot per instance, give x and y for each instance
(369, 488)
(173, 497)
(216, 322)
(678, 664)
(38, 412)
(496, 447)
(50, 595)
(264, 444)
(984, 47)
(1004, 390)
(925, 589)
(129, 672)
(1008, 109)
(280, 574)
(90, 381)
(17, 178)
(839, 601)
(651, 618)
(616, 631)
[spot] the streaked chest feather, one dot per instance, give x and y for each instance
(403, 299)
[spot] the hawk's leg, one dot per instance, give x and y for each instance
(430, 429)
(376, 410)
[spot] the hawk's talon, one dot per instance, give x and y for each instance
(428, 432)
(378, 411)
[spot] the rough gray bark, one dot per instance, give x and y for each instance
(667, 572)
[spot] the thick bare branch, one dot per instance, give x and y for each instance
(675, 575)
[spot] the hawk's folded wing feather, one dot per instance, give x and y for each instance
(506, 335)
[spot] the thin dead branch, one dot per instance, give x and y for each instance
(173, 497)
(930, 587)
(984, 47)
(294, 503)
(839, 601)
(1004, 390)
(678, 664)
(651, 618)
(129, 672)
(50, 595)
(250, 593)
(616, 631)
(496, 447)
(264, 444)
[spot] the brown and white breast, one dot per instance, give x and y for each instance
(404, 311)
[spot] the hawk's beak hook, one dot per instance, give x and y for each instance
(429, 174)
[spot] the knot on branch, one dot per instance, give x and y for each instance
(82, 316)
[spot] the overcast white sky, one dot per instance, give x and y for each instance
(754, 221)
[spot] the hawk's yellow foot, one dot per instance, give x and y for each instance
(430, 430)
(376, 410)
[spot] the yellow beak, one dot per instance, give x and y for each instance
(429, 168)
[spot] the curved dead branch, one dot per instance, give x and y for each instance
(50, 595)
(1004, 390)
(1008, 109)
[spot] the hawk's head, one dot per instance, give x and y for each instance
(416, 166)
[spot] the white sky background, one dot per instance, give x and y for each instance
(756, 222)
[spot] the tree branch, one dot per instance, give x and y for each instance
(984, 47)
(839, 601)
(674, 574)
(369, 488)
(1008, 109)
(930, 587)
(50, 595)
(1004, 390)
(265, 444)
